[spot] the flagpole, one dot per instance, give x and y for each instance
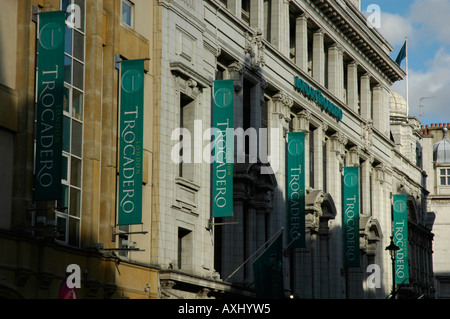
(407, 86)
(248, 259)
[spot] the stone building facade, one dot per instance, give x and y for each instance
(436, 146)
(275, 51)
(39, 240)
(266, 46)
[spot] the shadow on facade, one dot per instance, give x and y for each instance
(315, 271)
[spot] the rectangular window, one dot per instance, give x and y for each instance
(127, 13)
(184, 248)
(245, 12)
(444, 175)
(187, 113)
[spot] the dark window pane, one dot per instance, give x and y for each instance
(68, 69)
(66, 102)
(75, 172)
(77, 137)
(61, 223)
(65, 166)
(75, 202)
(66, 134)
(63, 202)
(74, 232)
(78, 45)
(77, 104)
(68, 41)
(78, 74)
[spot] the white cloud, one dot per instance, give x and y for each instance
(395, 27)
(433, 84)
(432, 18)
(426, 26)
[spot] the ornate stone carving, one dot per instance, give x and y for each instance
(236, 70)
(282, 105)
(255, 49)
(338, 142)
(354, 155)
(303, 118)
(367, 134)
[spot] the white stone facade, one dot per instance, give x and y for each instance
(263, 45)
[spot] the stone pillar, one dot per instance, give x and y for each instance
(352, 86)
(301, 42)
(257, 14)
(387, 113)
(279, 119)
(280, 26)
(335, 161)
(378, 108)
(333, 69)
(319, 135)
(366, 97)
(340, 88)
(235, 6)
(318, 57)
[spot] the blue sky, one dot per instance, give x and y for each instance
(426, 23)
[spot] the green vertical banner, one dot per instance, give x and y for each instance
(401, 239)
(268, 271)
(49, 110)
(351, 217)
(295, 185)
(223, 146)
(131, 142)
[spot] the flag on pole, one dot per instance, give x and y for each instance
(401, 55)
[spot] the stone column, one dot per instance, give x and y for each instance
(340, 88)
(352, 86)
(319, 135)
(335, 161)
(387, 113)
(378, 108)
(235, 6)
(333, 69)
(257, 14)
(366, 97)
(280, 26)
(279, 119)
(319, 57)
(301, 42)
(336, 71)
